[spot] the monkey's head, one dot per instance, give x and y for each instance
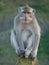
(26, 14)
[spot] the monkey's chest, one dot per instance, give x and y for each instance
(26, 32)
(25, 35)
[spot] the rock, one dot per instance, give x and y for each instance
(35, 62)
(28, 61)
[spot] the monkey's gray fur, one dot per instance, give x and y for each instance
(25, 35)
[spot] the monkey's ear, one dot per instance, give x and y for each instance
(33, 10)
(20, 9)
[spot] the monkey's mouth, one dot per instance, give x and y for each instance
(28, 19)
(25, 20)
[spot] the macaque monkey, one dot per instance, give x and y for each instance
(25, 35)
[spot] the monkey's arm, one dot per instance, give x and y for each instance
(14, 42)
(35, 40)
(17, 30)
(37, 32)
(35, 45)
(30, 45)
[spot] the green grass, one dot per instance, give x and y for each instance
(9, 57)
(43, 53)
(44, 44)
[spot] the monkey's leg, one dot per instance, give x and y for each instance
(20, 42)
(29, 46)
(35, 46)
(14, 42)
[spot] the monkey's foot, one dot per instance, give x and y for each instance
(35, 62)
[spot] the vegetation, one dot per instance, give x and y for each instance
(9, 57)
(8, 10)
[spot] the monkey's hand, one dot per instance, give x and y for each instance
(22, 54)
(27, 53)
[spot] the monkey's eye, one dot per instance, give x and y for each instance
(27, 12)
(24, 12)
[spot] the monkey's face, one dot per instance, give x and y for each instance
(26, 17)
(26, 14)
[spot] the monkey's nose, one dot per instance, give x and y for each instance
(25, 19)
